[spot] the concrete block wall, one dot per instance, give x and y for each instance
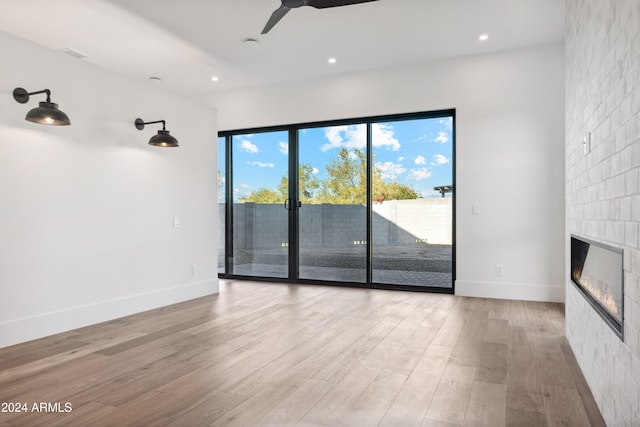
(342, 225)
(396, 222)
(602, 188)
(404, 221)
(312, 235)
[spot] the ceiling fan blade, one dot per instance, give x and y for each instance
(323, 4)
(275, 18)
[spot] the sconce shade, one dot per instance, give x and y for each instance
(47, 112)
(162, 139)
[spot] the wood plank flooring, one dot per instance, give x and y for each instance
(266, 354)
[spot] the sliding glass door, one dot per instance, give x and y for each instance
(260, 226)
(412, 211)
(222, 205)
(332, 180)
(368, 202)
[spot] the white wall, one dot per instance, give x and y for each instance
(510, 133)
(86, 213)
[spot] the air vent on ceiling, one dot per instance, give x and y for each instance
(73, 52)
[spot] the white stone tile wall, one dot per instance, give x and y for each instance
(602, 188)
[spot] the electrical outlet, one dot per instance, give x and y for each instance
(499, 269)
(194, 270)
(475, 208)
(176, 221)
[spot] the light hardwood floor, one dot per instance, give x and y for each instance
(261, 354)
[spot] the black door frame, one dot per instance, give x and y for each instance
(293, 214)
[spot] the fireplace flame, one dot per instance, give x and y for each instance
(601, 292)
(575, 274)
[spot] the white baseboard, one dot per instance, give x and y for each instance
(42, 325)
(515, 291)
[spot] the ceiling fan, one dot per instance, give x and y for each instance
(287, 5)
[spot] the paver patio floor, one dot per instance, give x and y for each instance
(416, 265)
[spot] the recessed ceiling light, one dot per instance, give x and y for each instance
(215, 78)
(251, 42)
(155, 79)
(332, 60)
(483, 37)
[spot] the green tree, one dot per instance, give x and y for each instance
(308, 184)
(263, 195)
(346, 183)
(396, 191)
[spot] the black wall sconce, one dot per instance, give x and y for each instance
(162, 139)
(47, 113)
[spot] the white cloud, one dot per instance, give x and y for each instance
(390, 170)
(355, 136)
(315, 170)
(382, 136)
(249, 147)
(439, 159)
(284, 147)
(261, 164)
(245, 186)
(400, 158)
(349, 136)
(442, 138)
(419, 174)
(420, 160)
(447, 123)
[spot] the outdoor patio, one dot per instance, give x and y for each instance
(419, 264)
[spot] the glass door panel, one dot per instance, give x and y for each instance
(412, 209)
(332, 220)
(222, 194)
(260, 189)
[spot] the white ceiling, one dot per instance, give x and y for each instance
(186, 42)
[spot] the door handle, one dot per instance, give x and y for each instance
(288, 205)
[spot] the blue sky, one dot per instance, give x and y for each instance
(415, 152)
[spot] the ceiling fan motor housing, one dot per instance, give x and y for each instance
(292, 4)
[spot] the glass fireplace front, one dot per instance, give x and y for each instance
(597, 272)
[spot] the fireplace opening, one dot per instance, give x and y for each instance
(597, 272)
